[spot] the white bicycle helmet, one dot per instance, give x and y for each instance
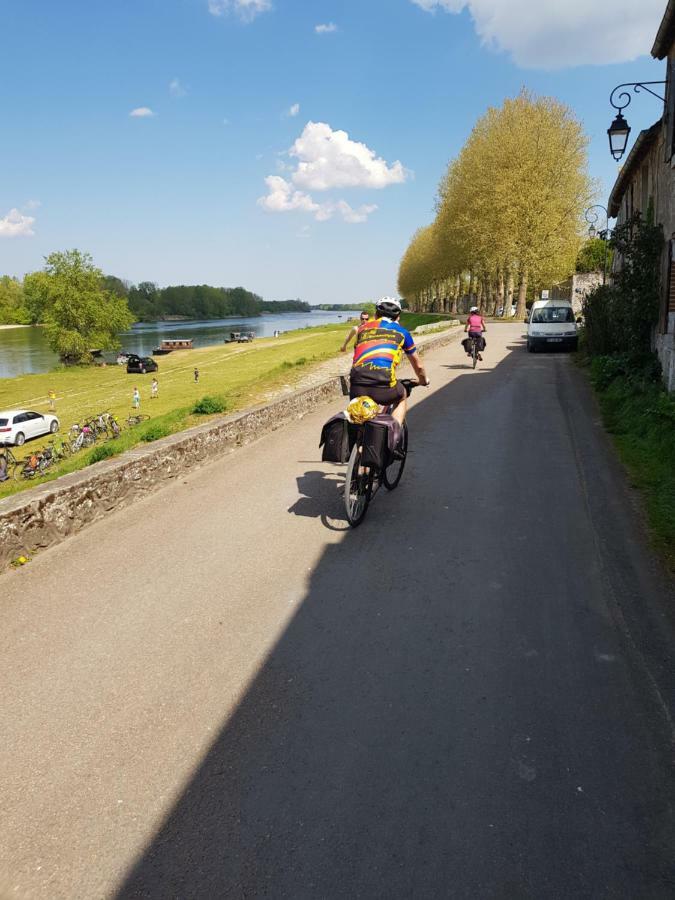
(388, 305)
(473, 309)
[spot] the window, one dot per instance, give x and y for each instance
(3, 422)
(29, 416)
(644, 193)
(547, 315)
(18, 419)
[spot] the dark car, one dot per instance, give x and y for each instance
(141, 365)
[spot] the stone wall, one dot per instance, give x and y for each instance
(47, 514)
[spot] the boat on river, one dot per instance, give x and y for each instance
(170, 345)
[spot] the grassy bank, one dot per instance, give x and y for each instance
(236, 376)
(640, 415)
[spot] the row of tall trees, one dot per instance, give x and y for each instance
(509, 212)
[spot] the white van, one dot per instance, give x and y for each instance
(551, 323)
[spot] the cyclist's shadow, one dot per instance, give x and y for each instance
(321, 496)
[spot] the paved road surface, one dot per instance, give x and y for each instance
(221, 692)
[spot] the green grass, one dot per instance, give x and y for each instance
(641, 418)
(233, 375)
(412, 320)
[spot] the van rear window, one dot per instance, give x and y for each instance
(547, 315)
(3, 422)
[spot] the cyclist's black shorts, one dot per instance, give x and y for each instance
(381, 394)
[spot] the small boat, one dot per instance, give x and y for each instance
(175, 344)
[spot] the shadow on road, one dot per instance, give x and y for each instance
(439, 717)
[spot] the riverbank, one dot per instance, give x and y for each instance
(237, 375)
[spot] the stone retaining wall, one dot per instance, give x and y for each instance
(49, 513)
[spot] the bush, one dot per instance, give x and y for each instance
(104, 451)
(619, 318)
(155, 432)
(208, 406)
(638, 371)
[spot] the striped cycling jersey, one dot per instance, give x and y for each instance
(380, 344)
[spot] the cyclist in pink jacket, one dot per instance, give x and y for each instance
(475, 325)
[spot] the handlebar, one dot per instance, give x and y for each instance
(409, 384)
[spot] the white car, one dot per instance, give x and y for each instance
(20, 425)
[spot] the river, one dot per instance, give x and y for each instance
(25, 350)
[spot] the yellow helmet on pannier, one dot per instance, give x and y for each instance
(361, 409)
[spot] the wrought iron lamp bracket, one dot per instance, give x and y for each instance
(625, 97)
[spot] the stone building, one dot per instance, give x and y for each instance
(576, 288)
(646, 184)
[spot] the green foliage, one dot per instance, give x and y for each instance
(12, 308)
(155, 431)
(79, 316)
(620, 318)
(103, 451)
(202, 301)
(595, 256)
(641, 415)
(638, 371)
(208, 406)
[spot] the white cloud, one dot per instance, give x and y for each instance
(176, 89)
(15, 224)
(551, 34)
(328, 28)
(141, 112)
(294, 110)
(327, 160)
(246, 10)
(283, 197)
(330, 159)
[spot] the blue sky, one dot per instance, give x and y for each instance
(179, 196)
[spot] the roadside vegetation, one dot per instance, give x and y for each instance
(640, 416)
(509, 212)
(616, 344)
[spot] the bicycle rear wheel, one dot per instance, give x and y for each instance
(392, 474)
(358, 488)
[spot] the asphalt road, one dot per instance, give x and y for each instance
(223, 692)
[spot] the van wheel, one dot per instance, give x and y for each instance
(531, 348)
(20, 439)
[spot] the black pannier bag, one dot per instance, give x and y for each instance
(335, 439)
(380, 438)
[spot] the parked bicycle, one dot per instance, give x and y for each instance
(136, 420)
(362, 480)
(8, 462)
(34, 464)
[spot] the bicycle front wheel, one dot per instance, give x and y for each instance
(392, 474)
(358, 488)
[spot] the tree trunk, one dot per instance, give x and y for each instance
(521, 309)
(500, 294)
(455, 296)
(508, 300)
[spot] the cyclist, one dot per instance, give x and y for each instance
(380, 344)
(475, 325)
(363, 318)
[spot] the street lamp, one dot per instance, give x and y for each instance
(619, 130)
(618, 133)
(592, 215)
